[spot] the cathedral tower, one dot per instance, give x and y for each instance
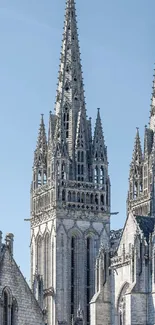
(141, 195)
(70, 193)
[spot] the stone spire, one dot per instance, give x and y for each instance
(152, 112)
(99, 148)
(70, 91)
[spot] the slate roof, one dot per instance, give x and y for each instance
(146, 224)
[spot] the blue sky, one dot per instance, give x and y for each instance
(117, 43)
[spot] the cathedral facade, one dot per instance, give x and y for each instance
(70, 192)
(81, 271)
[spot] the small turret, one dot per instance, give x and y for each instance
(40, 158)
(137, 152)
(100, 163)
(9, 242)
(81, 148)
(136, 173)
(99, 148)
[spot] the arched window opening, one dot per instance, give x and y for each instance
(39, 178)
(87, 198)
(63, 172)
(122, 306)
(63, 195)
(45, 178)
(135, 190)
(47, 261)
(58, 169)
(96, 175)
(82, 198)
(72, 273)
(79, 169)
(82, 156)
(96, 199)
(140, 188)
(39, 255)
(5, 309)
(101, 175)
(91, 198)
(78, 197)
(74, 196)
(69, 197)
(78, 156)
(102, 199)
(80, 166)
(66, 121)
(88, 280)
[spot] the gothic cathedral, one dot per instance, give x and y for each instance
(70, 194)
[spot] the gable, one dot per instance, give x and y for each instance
(11, 277)
(128, 233)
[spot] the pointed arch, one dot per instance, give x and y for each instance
(47, 259)
(75, 239)
(121, 304)
(40, 254)
(7, 302)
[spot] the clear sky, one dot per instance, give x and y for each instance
(117, 41)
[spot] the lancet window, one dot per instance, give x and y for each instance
(135, 189)
(88, 280)
(96, 175)
(66, 121)
(122, 306)
(63, 171)
(39, 178)
(80, 165)
(102, 175)
(9, 315)
(39, 255)
(72, 273)
(5, 308)
(63, 195)
(47, 260)
(45, 177)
